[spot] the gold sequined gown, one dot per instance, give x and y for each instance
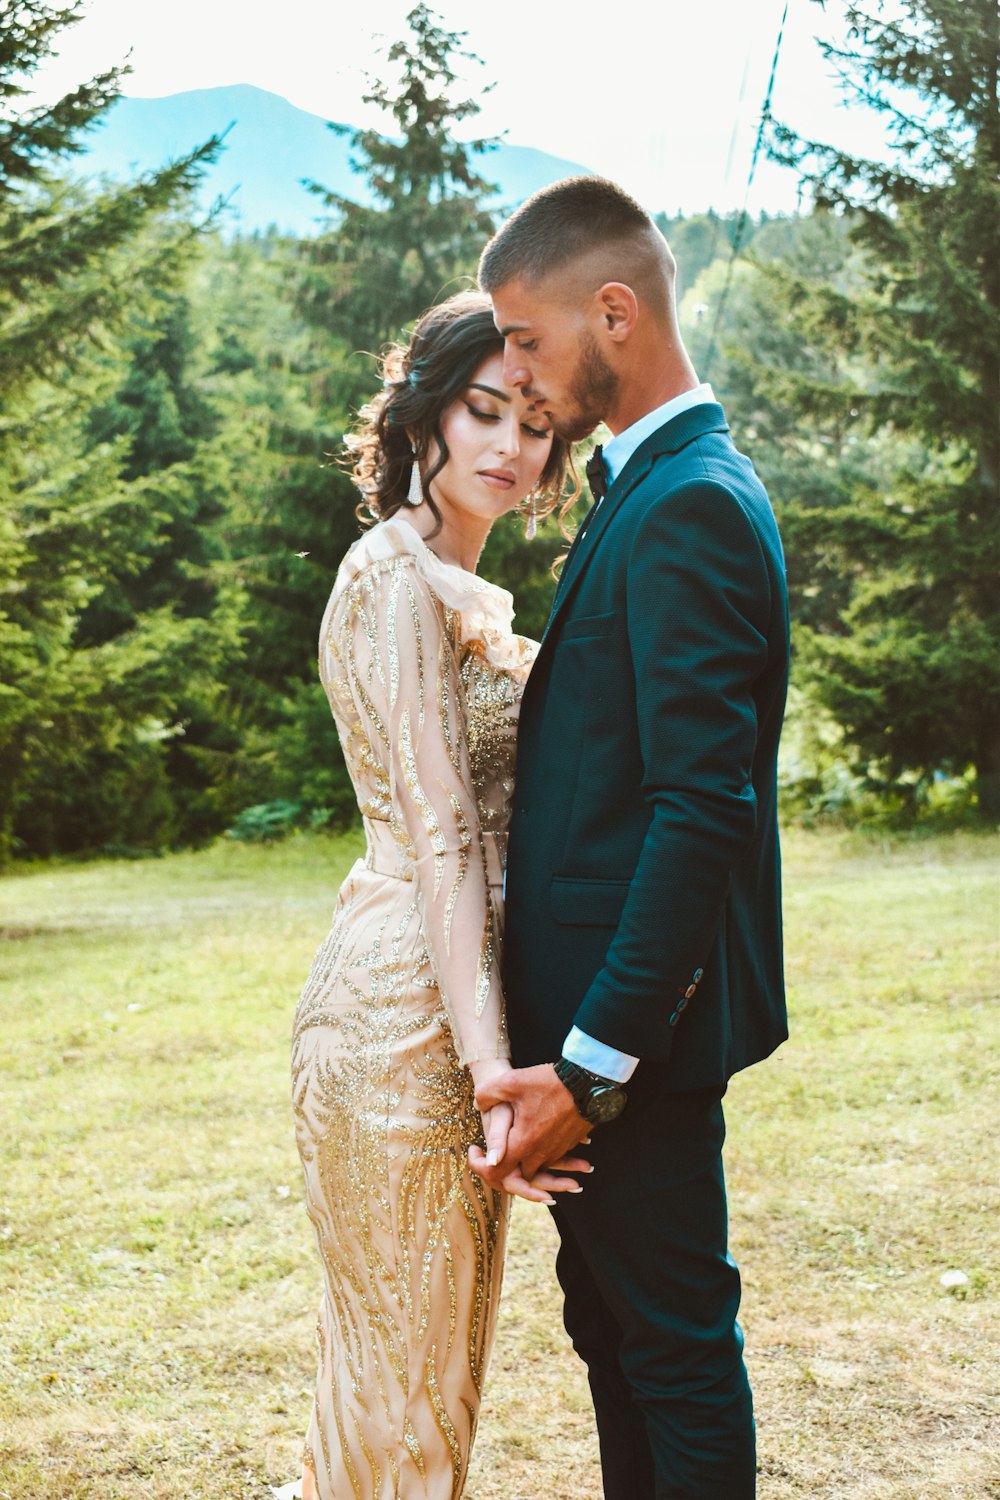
(424, 676)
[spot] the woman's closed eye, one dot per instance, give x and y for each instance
(494, 416)
(483, 416)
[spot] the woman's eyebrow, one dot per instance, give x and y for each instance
(500, 395)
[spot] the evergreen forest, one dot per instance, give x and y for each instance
(174, 499)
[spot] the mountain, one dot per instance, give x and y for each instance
(270, 147)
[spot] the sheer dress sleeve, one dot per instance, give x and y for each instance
(399, 646)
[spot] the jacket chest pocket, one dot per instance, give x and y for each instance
(592, 677)
(588, 627)
(577, 902)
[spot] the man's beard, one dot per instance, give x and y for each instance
(592, 390)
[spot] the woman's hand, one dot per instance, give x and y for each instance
(496, 1128)
(544, 1183)
(485, 1073)
(497, 1122)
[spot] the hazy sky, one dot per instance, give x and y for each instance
(663, 95)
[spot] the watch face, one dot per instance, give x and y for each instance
(604, 1105)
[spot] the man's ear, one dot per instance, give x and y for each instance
(618, 309)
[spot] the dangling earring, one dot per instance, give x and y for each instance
(415, 493)
(531, 524)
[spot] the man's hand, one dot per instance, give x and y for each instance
(496, 1164)
(547, 1124)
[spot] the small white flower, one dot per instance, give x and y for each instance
(953, 1278)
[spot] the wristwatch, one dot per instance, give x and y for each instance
(598, 1099)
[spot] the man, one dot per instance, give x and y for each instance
(643, 951)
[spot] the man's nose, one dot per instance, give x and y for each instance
(515, 371)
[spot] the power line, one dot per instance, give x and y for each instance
(737, 120)
(765, 116)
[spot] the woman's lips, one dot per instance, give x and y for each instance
(501, 479)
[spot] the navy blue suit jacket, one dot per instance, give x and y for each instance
(643, 881)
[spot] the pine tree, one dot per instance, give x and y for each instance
(75, 268)
(283, 391)
(910, 669)
(382, 264)
(373, 272)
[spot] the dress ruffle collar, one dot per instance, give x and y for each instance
(485, 609)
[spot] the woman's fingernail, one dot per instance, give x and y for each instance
(577, 1189)
(492, 1156)
(549, 1201)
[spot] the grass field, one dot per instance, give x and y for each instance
(157, 1273)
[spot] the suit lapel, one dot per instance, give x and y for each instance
(596, 524)
(667, 440)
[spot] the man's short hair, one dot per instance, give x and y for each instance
(579, 219)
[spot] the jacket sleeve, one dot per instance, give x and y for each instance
(699, 602)
(404, 679)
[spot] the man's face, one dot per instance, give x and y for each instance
(552, 355)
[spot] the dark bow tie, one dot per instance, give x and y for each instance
(597, 475)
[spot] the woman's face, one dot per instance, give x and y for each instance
(497, 448)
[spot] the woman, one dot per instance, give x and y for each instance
(402, 1015)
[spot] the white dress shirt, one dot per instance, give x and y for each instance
(586, 1051)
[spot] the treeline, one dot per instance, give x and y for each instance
(173, 504)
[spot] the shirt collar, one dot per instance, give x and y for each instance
(620, 449)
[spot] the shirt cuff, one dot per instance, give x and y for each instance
(596, 1057)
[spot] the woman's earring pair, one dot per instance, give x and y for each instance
(415, 493)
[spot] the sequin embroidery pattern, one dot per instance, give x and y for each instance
(424, 677)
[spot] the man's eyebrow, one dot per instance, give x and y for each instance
(512, 328)
(475, 386)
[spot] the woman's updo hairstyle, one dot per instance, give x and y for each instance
(420, 381)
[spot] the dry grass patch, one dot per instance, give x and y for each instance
(157, 1274)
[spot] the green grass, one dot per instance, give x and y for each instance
(158, 1279)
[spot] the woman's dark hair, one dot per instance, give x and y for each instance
(420, 380)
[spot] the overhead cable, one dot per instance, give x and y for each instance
(765, 116)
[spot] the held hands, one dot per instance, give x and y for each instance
(531, 1125)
